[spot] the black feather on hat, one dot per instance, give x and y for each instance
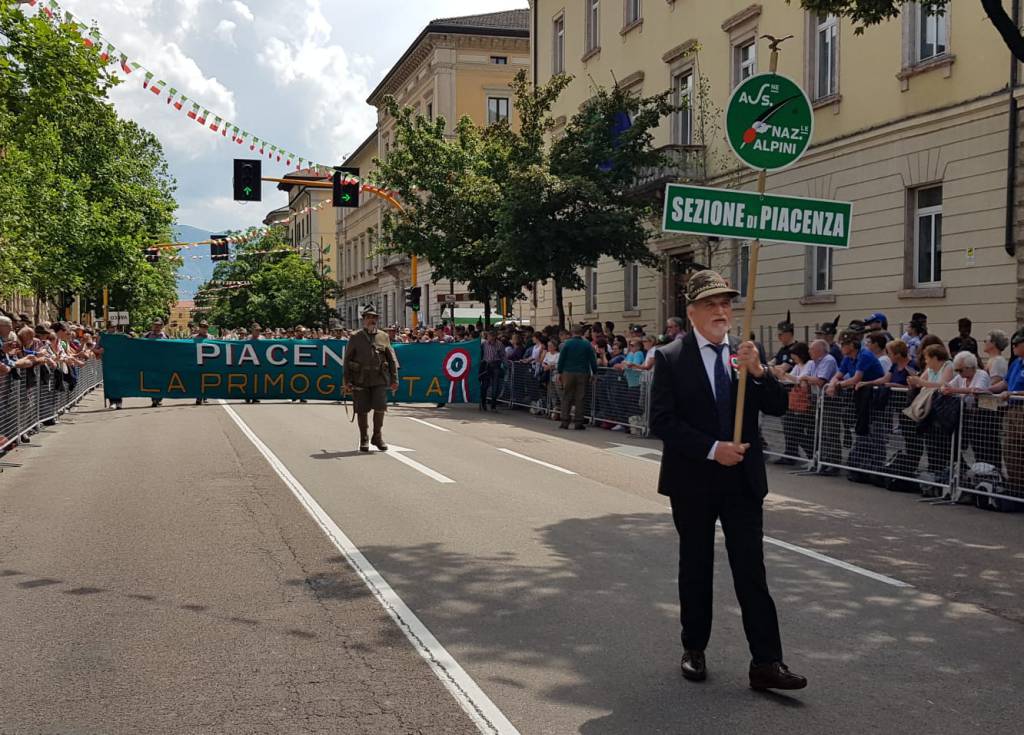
(786, 325)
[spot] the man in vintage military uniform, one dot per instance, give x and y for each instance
(370, 368)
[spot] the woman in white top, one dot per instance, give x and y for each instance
(995, 364)
(970, 379)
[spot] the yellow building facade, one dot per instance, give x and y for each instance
(457, 67)
(911, 125)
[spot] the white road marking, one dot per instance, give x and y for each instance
(636, 452)
(837, 562)
(397, 453)
(536, 461)
(427, 423)
(484, 713)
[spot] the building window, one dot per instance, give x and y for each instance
(742, 268)
(931, 32)
(593, 13)
(683, 87)
(822, 261)
(499, 59)
(633, 12)
(928, 236)
(497, 109)
(632, 287)
(590, 292)
(744, 62)
(826, 56)
(558, 41)
(430, 111)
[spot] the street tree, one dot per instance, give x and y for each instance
(450, 191)
(872, 12)
(281, 287)
(83, 191)
(567, 204)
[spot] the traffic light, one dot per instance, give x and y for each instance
(345, 191)
(412, 298)
(152, 255)
(248, 183)
(219, 248)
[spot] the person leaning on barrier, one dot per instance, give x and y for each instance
(827, 332)
(370, 367)
(980, 429)
(900, 369)
(995, 364)
(797, 423)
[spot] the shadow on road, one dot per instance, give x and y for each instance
(596, 629)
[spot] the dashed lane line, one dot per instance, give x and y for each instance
(536, 461)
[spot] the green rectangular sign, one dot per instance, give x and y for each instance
(745, 215)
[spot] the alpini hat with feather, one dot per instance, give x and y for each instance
(706, 283)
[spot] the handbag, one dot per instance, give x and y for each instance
(800, 399)
(921, 406)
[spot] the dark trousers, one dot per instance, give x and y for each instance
(694, 513)
(490, 381)
(574, 390)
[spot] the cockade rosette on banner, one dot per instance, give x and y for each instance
(276, 369)
(457, 364)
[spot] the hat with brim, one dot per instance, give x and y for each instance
(708, 283)
(1017, 338)
(369, 311)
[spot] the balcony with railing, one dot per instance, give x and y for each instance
(683, 164)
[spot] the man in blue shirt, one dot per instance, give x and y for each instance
(1015, 375)
(858, 365)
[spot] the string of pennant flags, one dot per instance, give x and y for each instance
(194, 110)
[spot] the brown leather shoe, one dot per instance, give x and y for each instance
(693, 666)
(775, 675)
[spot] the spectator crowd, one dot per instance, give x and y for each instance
(46, 354)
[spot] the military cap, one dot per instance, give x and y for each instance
(707, 283)
(786, 325)
(369, 310)
(829, 328)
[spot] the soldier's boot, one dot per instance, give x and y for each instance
(378, 424)
(364, 432)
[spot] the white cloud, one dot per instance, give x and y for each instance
(324, 75)
(225, 30)
(243, 10)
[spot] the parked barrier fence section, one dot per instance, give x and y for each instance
(38, 396)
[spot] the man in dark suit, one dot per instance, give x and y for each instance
(709, 477)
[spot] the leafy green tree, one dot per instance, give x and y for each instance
(285, 289)
(450, 191)
(872, 12)
(85, 191)
(565, 207)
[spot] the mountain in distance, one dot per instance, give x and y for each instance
(195, 271)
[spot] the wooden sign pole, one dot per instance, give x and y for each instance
(755, 250)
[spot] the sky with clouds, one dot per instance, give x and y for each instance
(294, 72)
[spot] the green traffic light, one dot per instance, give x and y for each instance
(248, 191)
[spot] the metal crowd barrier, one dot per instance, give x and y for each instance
(38, 397)
(613, 398)
(968, 449)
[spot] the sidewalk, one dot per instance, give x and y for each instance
(156, 576)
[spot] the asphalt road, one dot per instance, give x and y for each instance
(541, 560)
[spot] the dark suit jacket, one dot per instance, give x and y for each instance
(684, 416)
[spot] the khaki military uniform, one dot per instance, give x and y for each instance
(371, 367)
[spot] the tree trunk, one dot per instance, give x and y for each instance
(486, 298)
(559, 302)
(1005, 26)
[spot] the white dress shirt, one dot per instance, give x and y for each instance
(708, 356)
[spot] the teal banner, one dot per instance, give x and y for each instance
(286, 368)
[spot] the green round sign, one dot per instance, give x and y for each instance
(769, 122)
